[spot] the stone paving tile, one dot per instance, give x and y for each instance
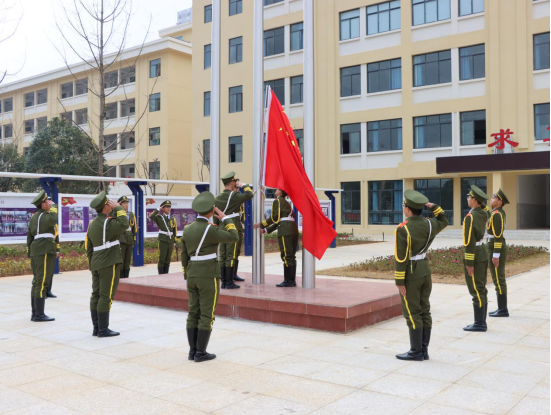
(434, 409)
(13, 399)
(208, 370)
(294, 365)
(249, 357)
(45, 408)
(328, 354)
(354, 377)
(541, 390)
(158, 383)
(47, 353)
(29, 373)
(60, 386)
(367, 402)
(494, 380)
(531, 406)
(265, 405)
(407, 386)
(517, 366)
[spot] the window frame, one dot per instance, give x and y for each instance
(424, 2)
(207, 16)
(279, 89)
(473, 121)
(131, 175)
(155, 132)
(397, 214)
(78, 115)
(277, 35)
(383, 11)
(155, 102)
(359, 142)
(537, 116)
(67, 84)
(349, 21)
(205, 107)
(383, 72)
(238, 7)
(131, 108)
(42, 96)
(348, 199)
(300, 139)
(8, 127)
(534, 45)
(238, 48)
(5, 103)
(393, 127)
(107, 109)
(41, 122)
(351, 81)
(235, 95)
(299, 33)
(128, 75)
(236, 151)
(472, 7)
(206, 152)
(300, 86)
(156, 170)
(207, 62)
(32, 102)
(424, 64)
(471, 57)
(111, 79)
(426, 123)
(155, 68)
(79, 83)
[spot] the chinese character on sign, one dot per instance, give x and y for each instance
(501, 138)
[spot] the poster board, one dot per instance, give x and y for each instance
(325, 207)
(16, 211)
(181, 209)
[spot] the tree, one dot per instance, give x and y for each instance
(11, 160)
(8, 26)
(204, 161)
(61, 148)
(149, 171)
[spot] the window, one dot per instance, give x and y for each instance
(297, 33)
(41, 123)
(296, 89)
(466, 184)
(67, 90)
(206, 152)
(128, 75)
(207, 57)
(383, 17)
(350, 24)
(67, 116)
(155, 170)
(111, 171)
(439, 191)
(29, 126)
(385, 202)
(471, 62)
(29, 99)
(128, 140)
(236, 50)
(351, 203)
(384, 76)
(270, 193)
(81, 116)
(155, 102)
(432, 68)
(128, 107)
(351, 81)
(110, 142)
(278, 86)
(111, 111)
(8, 104)
(208, 13)
(0, 106)
(350, 138)
(428, 11)
(25, 151)
(384, 135)
(236, 7)
(541, 121)
(206, 104)
(299, 135)
(432, 131)
(155, 136)
(236, 99)
(467, 7)
(155, 68)
(127, 170)
(42, 96)
(541, 51)
(274, 41)
(111, 79)
(8, 131)
(270, 2)
(473, 128)
(81, 86)
(0, 133)
(236, 149)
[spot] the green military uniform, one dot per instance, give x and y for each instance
(42, 249)
(230, 203)
(127, 240)
(167, 236)
(497, 248)
(104, 258)
(476, 255)
(282, 219)
(412, 270)
(201, 269)
(49, 293)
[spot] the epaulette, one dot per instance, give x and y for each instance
(401, 225)
(468, 214)
(495, 211)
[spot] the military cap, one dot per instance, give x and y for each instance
(40, 198)
(228, 177)
(99, 201)
(203, 203)
(502, 197)
(167, 203)
(478, 194)
(122, 199)
(414, 199)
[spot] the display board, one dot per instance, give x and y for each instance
(325, 207)
(16, 211)
(181, 210)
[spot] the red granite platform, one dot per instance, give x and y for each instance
(334, 305)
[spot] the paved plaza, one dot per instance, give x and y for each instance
(59, 368)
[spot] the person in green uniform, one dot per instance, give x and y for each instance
(476, 256)
(229, 201)
(128, 238)
(282, 219)
(49, 293)
(104, 259)
(201, 270)
(42, 250)
(412, 272)
(497, 251)
(167, 235)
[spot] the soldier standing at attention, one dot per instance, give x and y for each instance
(287, 236)
(42, 249)
(167, 235)
(201, 270)
(497, 251)
(476, 256)
(229, 202)
(104, 258)
(128, 238)
(412, 269)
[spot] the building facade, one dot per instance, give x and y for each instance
(404, 90)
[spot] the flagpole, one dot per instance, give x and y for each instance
(308, 260)
(258, 133)
(214, 168)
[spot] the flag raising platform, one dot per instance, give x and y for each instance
(334, 305)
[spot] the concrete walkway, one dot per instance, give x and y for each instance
(59, 368)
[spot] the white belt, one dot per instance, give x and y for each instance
(129, 229)
(284, 219)
(44, 235)
(418, 257)
(490, 236)
(480, 243)
(233, 215)
(169, 234)
(106, 245)
(203, 257)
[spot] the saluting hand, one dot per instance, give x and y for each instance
(112, 204)
(256, 226)
(262, 231)
(218, 214)
(429, 205)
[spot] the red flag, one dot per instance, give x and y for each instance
(283, 169)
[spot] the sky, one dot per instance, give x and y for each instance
(32, 48)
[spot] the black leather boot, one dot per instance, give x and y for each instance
(294, 275)
(49, 293)
(103, 326)
(479, 320)
(94, 314)
(416, 346)
(286, 278)
(121, 274)
(192, 340)
(167, 268)
(426, 341)
(223, 276)
(230, 285)
(32, 308)
(127, 273)
(161, 269)
(39, 315)
(201, 355)
(502, 310)
(235, 276)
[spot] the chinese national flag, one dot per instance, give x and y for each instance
(284, 170)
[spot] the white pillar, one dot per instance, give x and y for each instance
(215, 100)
